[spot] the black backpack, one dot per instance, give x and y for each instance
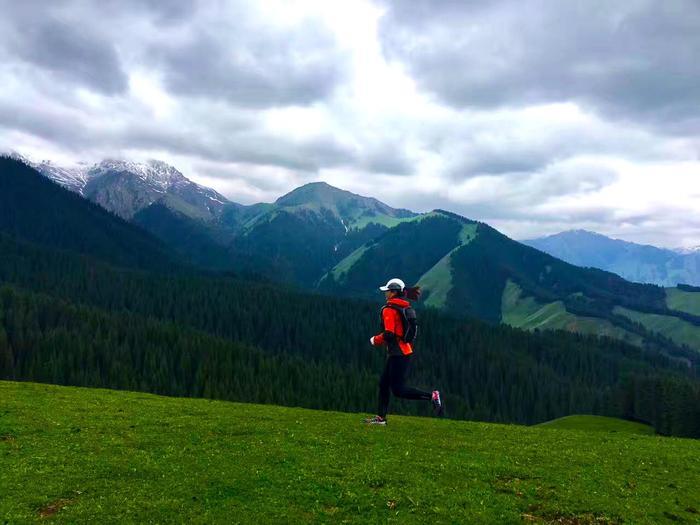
(408, 320)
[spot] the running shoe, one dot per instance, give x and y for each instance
(438, 407)
(376, 420)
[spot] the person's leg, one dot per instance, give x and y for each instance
(398, 381)
(385, 388)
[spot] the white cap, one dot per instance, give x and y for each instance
(393, 284)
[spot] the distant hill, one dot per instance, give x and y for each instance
(634, 262)
(588, 423)
(36, 210)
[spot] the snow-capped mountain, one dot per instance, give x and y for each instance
(125, 187)
(73, 178)
(155, 173)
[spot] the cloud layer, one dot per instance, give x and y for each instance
(535, 116)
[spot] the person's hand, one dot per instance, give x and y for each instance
(371, 340)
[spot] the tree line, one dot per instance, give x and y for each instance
(71, 319)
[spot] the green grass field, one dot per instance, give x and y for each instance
(72, 455)
(599, 424)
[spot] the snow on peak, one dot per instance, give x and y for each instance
(688, 250)
(17, 156)
(156, 173)
(73, 177)
(160, 176)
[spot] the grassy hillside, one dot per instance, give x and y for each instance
(80, 455)
(410, 250)
(438, 280)
(683, 300)
(590, 423)
(528, 314)
(680, 331)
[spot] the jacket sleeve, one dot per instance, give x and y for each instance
(389, 333)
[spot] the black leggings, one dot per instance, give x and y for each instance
(392, 381)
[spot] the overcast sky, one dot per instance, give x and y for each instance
(535, 116)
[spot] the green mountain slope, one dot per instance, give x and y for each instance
(193, 239)
(295, 239)
(684, 299)
(309, 230)
(527, 313)
(470, 269)
(354, 211)
(676, 329)
(438, 280)
(81, 455)
(409, 250)
(318, 235)
(35, 209)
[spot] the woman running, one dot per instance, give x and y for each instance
(398, 331)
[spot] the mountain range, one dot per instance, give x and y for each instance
(634, 262)
(295, 239)
(126, 188)
(332, 241)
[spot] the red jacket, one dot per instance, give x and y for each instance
(392, 323)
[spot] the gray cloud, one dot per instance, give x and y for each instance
(634, 59)
(48, 123)
(221, 63)
(161, 11)
(247, 144)
(49, 37)
(229, 137)
(252, 65)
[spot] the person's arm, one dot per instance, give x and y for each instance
(389, 333)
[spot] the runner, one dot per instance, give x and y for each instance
(399, 330)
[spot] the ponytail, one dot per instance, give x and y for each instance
(412, 293)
